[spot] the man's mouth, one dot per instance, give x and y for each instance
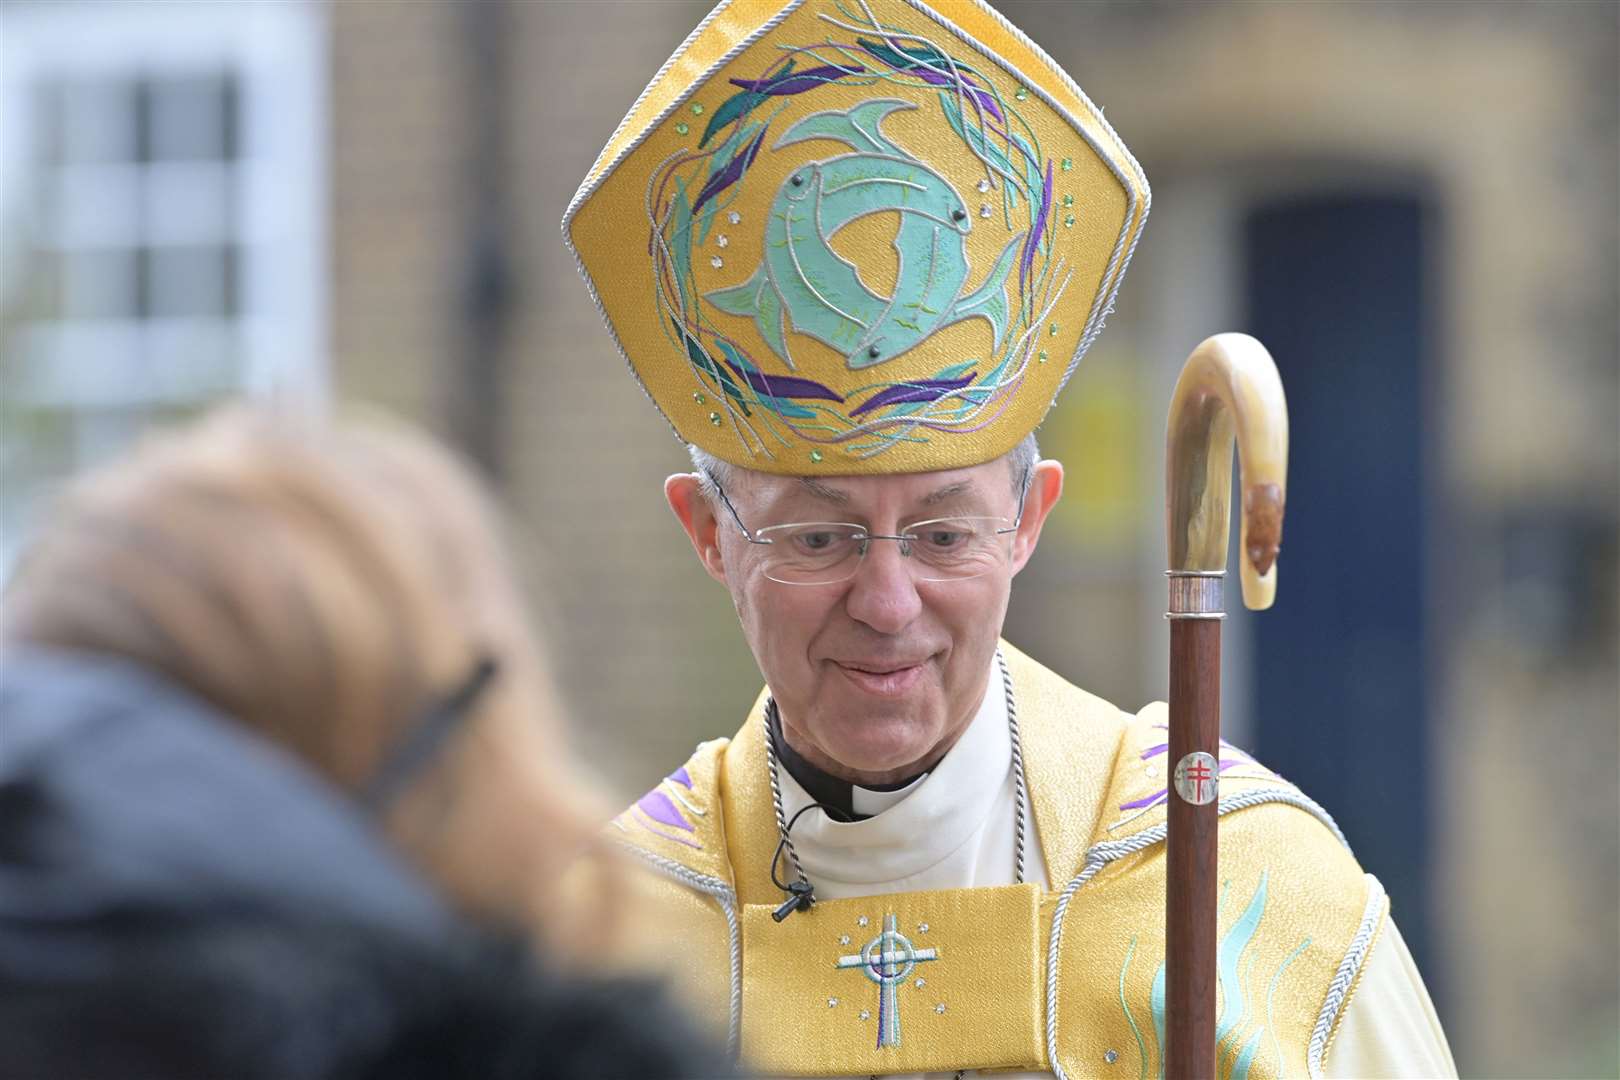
(883, 679)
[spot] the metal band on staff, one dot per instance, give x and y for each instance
(1196, 594)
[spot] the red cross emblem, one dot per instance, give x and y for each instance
(1197, 778)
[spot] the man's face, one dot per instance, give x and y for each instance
(875, 676)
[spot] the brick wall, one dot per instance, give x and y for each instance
(1509, 112)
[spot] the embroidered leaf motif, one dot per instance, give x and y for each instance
(782, 386)
(924, 64)
(1038, 232)
(730, 174)
(786, 83)
(720, 375)
(734, 106)
(921, 390)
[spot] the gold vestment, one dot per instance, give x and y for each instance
(1013, 977)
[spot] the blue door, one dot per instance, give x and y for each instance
(1336, 290)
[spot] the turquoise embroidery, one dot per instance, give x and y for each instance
(822, 293)
(1230, 1052)
(780, 405)
(1234, 997)
(1141, 1050)
(1156, 1003)
(1234, 1003)
(1271, 992)
(888, 960)
(724, 159)
(801, 286)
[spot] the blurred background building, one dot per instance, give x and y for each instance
(1416, 205)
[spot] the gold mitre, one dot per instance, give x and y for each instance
(857, 236)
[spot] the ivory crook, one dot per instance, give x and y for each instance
(1229, 391)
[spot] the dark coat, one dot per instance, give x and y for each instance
(179, 898)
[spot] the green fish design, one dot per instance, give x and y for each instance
(820, 293)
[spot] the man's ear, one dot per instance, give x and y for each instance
(684, 492)
(1045, 489)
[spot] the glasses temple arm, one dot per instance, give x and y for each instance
(1023, 493)
(735, 517)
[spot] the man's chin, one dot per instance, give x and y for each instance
(884, 744)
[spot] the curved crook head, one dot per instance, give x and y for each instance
(1229, 393)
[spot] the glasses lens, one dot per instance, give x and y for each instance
(814, 553)
(951, 549)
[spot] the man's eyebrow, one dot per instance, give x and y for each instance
(833, 495)
(822, 491)
(949, 491)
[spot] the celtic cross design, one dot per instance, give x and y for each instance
(888, 960)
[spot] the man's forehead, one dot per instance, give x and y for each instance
(921, 489)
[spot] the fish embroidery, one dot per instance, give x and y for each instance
(819, 293)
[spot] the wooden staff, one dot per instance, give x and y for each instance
(1228, 391)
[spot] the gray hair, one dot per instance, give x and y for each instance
(711, 470)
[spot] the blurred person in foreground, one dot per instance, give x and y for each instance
(877, 239)
(281, 776)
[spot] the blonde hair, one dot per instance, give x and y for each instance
(324, 586)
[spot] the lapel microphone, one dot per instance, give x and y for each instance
(801, 895)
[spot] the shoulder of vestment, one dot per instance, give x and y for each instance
(1296, 917)
(680, 823)
(1134, 808)
(669, 893)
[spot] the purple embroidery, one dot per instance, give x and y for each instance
(650, 827)
(787, 83)
(967, 85)
(916, 62)
(658, 806)
(1159, 748)
(1035, 234)
(682, 777)
(920, 390)
(730, 174)
(785, 386)
(1146, 800)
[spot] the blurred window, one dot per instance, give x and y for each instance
(160, 224)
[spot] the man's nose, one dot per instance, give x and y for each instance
(883, 594)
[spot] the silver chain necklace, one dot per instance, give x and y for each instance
(1019, 828)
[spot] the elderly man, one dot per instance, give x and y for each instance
(870, 244)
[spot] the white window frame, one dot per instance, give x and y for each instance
(278, 53)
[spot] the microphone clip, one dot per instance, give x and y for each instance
(801, 897)
(801, 894)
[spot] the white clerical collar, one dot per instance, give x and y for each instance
(869, 802)
(916, 827)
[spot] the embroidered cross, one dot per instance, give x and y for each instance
(888, 960)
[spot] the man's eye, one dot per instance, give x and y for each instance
(944, 538)
(817, 541)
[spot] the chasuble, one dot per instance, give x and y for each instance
(921, 954)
